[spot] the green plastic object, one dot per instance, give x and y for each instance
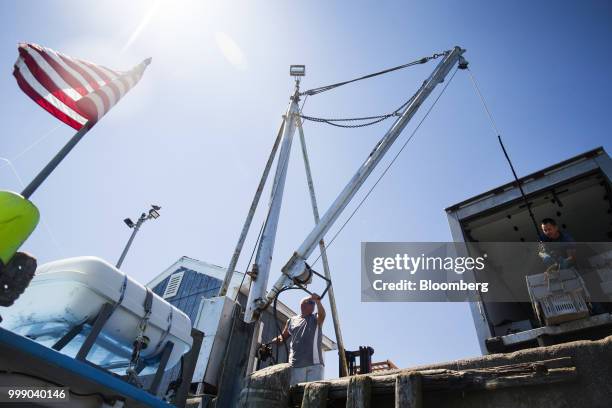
(18, 218)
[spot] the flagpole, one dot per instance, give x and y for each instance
(44, 173)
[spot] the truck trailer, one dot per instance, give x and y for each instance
(577, 194)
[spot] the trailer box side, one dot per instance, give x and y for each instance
(575, 192)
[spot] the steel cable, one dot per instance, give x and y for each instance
(326, 88)
(501, 143)
(386, 168)
(372, 119)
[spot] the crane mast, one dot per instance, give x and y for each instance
(296, 269)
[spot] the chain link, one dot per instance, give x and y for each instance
(377, 119)
(325, 88)
(373, 119)
(140, 341)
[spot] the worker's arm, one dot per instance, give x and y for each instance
(283, 336)
(320, 309)
(570, 259)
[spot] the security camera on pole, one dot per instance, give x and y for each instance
(152, 214)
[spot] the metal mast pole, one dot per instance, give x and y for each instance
(44, 173)
(263, 259)
(153, 214)
(129, 243)
(247, 223)
(296, 266)
(315, 213)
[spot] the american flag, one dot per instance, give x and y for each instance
(73, 90)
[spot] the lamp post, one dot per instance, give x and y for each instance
(152, 214)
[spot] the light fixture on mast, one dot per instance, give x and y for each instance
(297, 71)
(153, 214)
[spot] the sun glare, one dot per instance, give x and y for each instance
(230, 50)
(143, 24)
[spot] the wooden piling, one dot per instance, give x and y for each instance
(409, 391)
(267, 388)
(521, 375)
(359, 392)
(315, 395)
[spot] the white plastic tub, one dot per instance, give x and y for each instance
(68, 292)
(558, 297)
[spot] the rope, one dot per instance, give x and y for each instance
(43, 221)
(260, 232)
(259, 236)
(13, 169)
(249, 263)
(501, 143)
(34, 144)
(326, 88)
(262, 226)
(386, 168)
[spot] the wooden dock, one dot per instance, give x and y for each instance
(570, 375)
(407, 388)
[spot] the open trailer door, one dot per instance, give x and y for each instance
(577, 194)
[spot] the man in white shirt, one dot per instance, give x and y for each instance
(305, 331)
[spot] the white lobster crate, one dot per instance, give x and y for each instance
(558, 296)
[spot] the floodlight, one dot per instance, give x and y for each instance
(297, 70)
(152, 214)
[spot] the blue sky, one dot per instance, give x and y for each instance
(193, 136)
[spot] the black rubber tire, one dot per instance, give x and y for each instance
(15, 277)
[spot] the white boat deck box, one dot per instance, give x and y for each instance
(68, 292)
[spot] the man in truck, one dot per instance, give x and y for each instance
(306, 332)
(563, 253)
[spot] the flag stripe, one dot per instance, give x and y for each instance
(90, 80)
(109, 73)
(116, 90)
(101, 74)
(34, 90)
(73, 90)
(120, 87)
(112, 100)
(68, 78)
(43, 77)
(40, 89)
(99, 81)
(107, 98)
(86, 73)
(68, 70)
(130, 79)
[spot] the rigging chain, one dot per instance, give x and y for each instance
(372, 119)
(325, 88)
(384, 172)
